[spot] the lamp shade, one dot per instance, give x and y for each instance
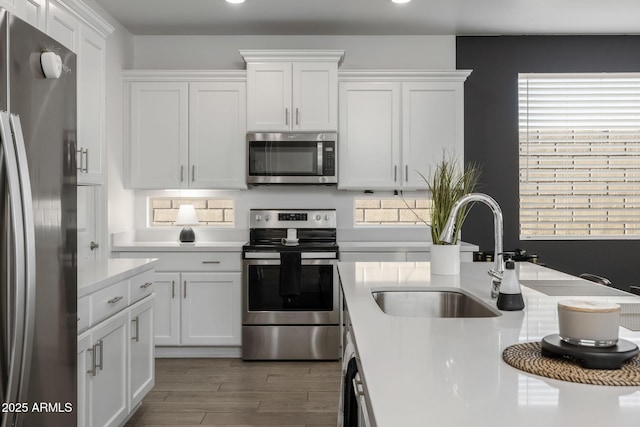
(187, 215)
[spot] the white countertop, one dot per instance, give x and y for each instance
(396, 247)
(172, 246)
(98, 274)
(450, 372)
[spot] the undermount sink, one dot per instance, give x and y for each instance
(432, 303)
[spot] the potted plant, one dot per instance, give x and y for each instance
(447, 183)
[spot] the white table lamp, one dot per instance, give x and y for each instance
(187, 216)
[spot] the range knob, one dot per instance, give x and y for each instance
(267, 218)
(326, 217)
(318, 217)
(258, 217)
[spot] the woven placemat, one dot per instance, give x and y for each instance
(528, 358)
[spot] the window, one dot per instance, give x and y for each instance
(579, 156)
(163, 210)
(391, 211)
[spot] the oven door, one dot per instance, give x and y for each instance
(317, 303)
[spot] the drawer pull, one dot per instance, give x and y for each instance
(185, 289)
(173, 289)
(211, 262)
(146, 285)
(93, 369)
(114, 300)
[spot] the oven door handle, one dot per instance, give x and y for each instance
(303, 262)
(304, 255)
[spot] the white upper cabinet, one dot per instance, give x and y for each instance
(432, 123)
(369, 135)
(217, 117)
(35, 13)
(186, 131)
(292, 90)
(395, 126)
(91, 107)
(158, 135)
(63, 26)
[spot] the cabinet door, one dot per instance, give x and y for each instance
(315, 96)
(91, 106)
(109, 385)
(83, 366)
(166, 322)
(141, 354)
(432, 122)
(211, 309)
(369, 136)
(86, 222)
(158, 135)
(269, 96)
(35, 13)
(217, 129)
(63, 26)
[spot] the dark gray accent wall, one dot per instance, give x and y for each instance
(491, 138)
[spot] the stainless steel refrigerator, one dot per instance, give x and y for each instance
(38, 331)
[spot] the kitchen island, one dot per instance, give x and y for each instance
(449, 372)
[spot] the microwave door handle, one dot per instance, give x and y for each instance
(319, 158)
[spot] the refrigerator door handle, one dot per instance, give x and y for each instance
(15, 341)
(29, 251)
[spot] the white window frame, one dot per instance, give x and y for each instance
(593, 194)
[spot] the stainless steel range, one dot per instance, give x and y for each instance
(290, 286)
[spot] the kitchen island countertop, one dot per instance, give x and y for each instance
(450, 372)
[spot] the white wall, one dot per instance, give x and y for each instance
(362, 52)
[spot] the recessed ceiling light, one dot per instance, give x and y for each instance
(401, 1)
(234, 1)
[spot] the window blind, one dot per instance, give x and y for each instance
(579, 155)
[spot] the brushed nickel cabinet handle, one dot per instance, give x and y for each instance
(114, 300)
(211, 262)
(173, 289)
(182, 173)
(406, 173)
(146, 285)
(286, 116)
(86, 163)
(193, 173)
(93, 370)
(101, 345)
(136, 320)
(395, 173)
(297, 116)
(185, 289)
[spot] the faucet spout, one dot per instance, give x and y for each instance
(449, 231)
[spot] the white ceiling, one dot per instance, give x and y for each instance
(376, 17)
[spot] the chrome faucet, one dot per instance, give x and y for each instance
(449, 229)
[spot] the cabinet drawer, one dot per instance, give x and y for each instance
(109, 301)
(141, 285)
(191, 261)
(84, 310)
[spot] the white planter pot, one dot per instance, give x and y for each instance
(445, 260)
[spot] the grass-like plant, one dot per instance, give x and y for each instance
(447, 183)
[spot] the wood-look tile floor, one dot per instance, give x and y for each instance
(232, 392)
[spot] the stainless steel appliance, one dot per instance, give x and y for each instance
(290, 289)
(38, 332)
(292, 158)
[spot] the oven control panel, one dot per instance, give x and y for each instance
(292, 218)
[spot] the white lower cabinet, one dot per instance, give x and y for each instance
(116, 352)
(198, 309)
(105, 372)
(198, 302)
(141, 351)
(210, 309)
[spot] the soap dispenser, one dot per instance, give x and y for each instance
(510, 296)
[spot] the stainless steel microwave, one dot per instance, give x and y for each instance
(292, 158)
